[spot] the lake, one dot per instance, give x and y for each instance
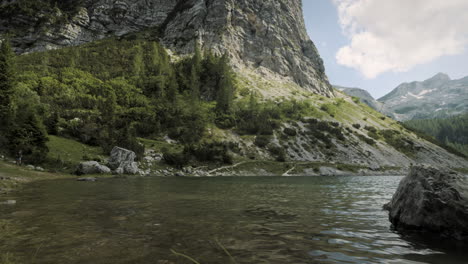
(214, 220)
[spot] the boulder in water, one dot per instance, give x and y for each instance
(122, 161)
(433, 200)
(91, 167)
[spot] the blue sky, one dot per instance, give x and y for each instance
(436, 50)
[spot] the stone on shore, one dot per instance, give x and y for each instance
(91, 167)
(433, 200)
(122, 161)
(87, 179)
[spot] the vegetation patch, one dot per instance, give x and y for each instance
(395, 139)
(68, 153)
(449, 133)
(369, 141)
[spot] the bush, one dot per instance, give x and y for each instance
(396, 140)
(373, 135)
(329, 108)
(369, 141)
(225, 121)
(262, 141)
(278, 152)
(290, 131)
(357, 126)
(211, 152)
(371, 129)
(178, 159)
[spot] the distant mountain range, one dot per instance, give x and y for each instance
(437, 97)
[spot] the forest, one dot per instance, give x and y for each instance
(115, 91)
(452, 131)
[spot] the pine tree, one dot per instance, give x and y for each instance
(226, 86)
(138, 65)
(194, 85)
(195, 72)
(107, 107)
(6, 84)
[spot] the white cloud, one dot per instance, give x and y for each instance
(396, 35)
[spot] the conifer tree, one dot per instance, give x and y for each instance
(195, 73)
(138, 65)
(6, 84)
(226, 86)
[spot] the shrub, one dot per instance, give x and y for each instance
(357, 126)
(371, 129)
(369, 141)
(373, 135)
(290, 131)
(278, 152)
(396, 140)
(329, 108)
(211, 152)
(176, 158)
(225, 121)
(262, 141)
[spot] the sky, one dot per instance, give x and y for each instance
(379, 44)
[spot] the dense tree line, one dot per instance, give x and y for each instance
(451, 131)
(21, 129)
(113, 91)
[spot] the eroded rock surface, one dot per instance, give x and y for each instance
(431, 199)
(122, 161)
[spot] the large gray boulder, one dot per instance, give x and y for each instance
(122, 161)
(91, 167)
(431, 199)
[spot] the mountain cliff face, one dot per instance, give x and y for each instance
(436, 97)
(268, 37)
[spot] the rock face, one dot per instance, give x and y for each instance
(437, 97)
(122, 161)
(91, 167)
(431, 199)
(267, 36)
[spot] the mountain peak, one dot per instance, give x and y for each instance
(440, 77)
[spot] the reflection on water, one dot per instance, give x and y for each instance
(256, 220)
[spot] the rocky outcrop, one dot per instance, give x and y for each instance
(268, 37)
(91, 167)
(122, 161)
(431, 199)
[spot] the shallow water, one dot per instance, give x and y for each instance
(255, 220)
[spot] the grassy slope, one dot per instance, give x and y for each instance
(65, 154)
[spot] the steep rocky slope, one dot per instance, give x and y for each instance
(436, 97)
(352, 134)
(267, 37)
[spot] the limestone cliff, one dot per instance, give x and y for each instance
(268, 36)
